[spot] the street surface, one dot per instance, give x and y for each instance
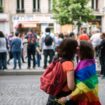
(24, 90)
(24, 65)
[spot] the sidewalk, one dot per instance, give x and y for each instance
(25, 71)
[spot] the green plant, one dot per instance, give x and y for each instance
(68, 11)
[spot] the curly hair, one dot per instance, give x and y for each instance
(68, 48)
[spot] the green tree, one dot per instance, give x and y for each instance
(68, 11)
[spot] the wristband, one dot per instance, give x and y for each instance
(67, 98)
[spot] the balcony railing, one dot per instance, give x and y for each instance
(20, 11)
(36, 10)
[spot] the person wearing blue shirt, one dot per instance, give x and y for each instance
(16, 50)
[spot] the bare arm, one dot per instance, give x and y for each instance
(70, 80)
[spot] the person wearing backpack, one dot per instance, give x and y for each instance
(47, 44)
(31, 48)
(58, 79)
(86, 79)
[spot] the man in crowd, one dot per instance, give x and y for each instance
(47, 44)
(31, 48)
(16, 50)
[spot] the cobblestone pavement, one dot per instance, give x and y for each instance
(21, 90)
(24, 90)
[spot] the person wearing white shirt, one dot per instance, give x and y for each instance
(48, 50)
(3, 51)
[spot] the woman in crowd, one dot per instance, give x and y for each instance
(3, 51)
(67, 50)
(22, 46)
(86, 90)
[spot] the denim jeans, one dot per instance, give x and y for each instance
(17, 57)
(3, 60)
(48, 53)
(102, 62)
(38, 58)
(31, 56)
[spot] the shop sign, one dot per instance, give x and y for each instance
(38, 18)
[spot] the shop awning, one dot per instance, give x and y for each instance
(28, 24)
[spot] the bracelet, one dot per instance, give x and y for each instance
(67, 98)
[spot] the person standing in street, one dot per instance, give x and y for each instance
(31, 49)
(47, 44)
(38, 52)
(84, 36)
(16, 50)
(10, 37)
(101, 48)
(95, 39)
(3, 51)
(86, 89)
(66, 54)
(22, 47)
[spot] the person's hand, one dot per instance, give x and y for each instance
(62, 100)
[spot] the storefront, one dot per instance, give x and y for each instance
(4, 23)
(96, 23)
(92, 25)
(33, 22)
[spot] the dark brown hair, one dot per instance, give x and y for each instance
(68, 48)
(86, 50)
(103, 36)
(1, 34)
(61, 35)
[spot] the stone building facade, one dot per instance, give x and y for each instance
(32, 14)
(36, 14)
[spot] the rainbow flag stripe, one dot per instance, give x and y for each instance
(86, 92)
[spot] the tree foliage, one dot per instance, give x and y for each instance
(68, 11)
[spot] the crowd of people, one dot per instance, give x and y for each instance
(32, 47)
(81, 78)
(79, 85)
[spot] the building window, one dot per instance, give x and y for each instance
(92, 4)
(95, 4)
(36, 5)
(1, 6)
(20, 6)
(50, 5)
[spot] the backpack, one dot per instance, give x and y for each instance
(53, 79)
(48, 40)
(31, 38)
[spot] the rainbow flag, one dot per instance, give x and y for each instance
(86, 91)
